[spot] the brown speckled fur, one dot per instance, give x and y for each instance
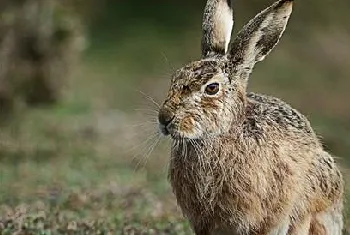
(245, 163)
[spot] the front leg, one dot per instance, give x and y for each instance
(301, 227)
(202, 230)
(281, 229)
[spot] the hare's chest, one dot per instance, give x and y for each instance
(194, 193)
(203, 193)
(211, 194)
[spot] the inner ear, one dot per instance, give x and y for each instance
(217, 27)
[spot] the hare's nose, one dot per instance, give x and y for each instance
(165, 117)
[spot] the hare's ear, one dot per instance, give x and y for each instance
(259, 37)
(217, 27)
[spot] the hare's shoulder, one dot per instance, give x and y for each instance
(263, 109)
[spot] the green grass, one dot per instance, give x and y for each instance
(61, 175)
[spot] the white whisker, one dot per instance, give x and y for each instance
(157, 105)
(149, 151)
(155, 112)
(146, 123)
(143, 143)
(168, 62)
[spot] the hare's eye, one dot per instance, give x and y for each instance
(212, 88)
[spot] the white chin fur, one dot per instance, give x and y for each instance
(183, 135)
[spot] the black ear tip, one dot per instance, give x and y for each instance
(286, 3)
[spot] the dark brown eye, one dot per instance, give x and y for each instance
(212, 88)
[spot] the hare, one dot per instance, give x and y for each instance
(245, 163)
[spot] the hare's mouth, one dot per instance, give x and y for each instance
(172, 131)
(179, 133)
(178, 128)
(166, 127)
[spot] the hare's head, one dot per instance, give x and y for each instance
(207, 96)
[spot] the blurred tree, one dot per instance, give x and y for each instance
(39, 41)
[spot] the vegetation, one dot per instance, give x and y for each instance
(39, 42)
(85, 165)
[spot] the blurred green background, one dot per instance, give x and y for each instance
(79, 149)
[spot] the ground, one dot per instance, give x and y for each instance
(67, 173)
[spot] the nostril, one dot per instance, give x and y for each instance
(165, 117)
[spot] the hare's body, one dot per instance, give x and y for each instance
(242, 163)
(266, 176)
